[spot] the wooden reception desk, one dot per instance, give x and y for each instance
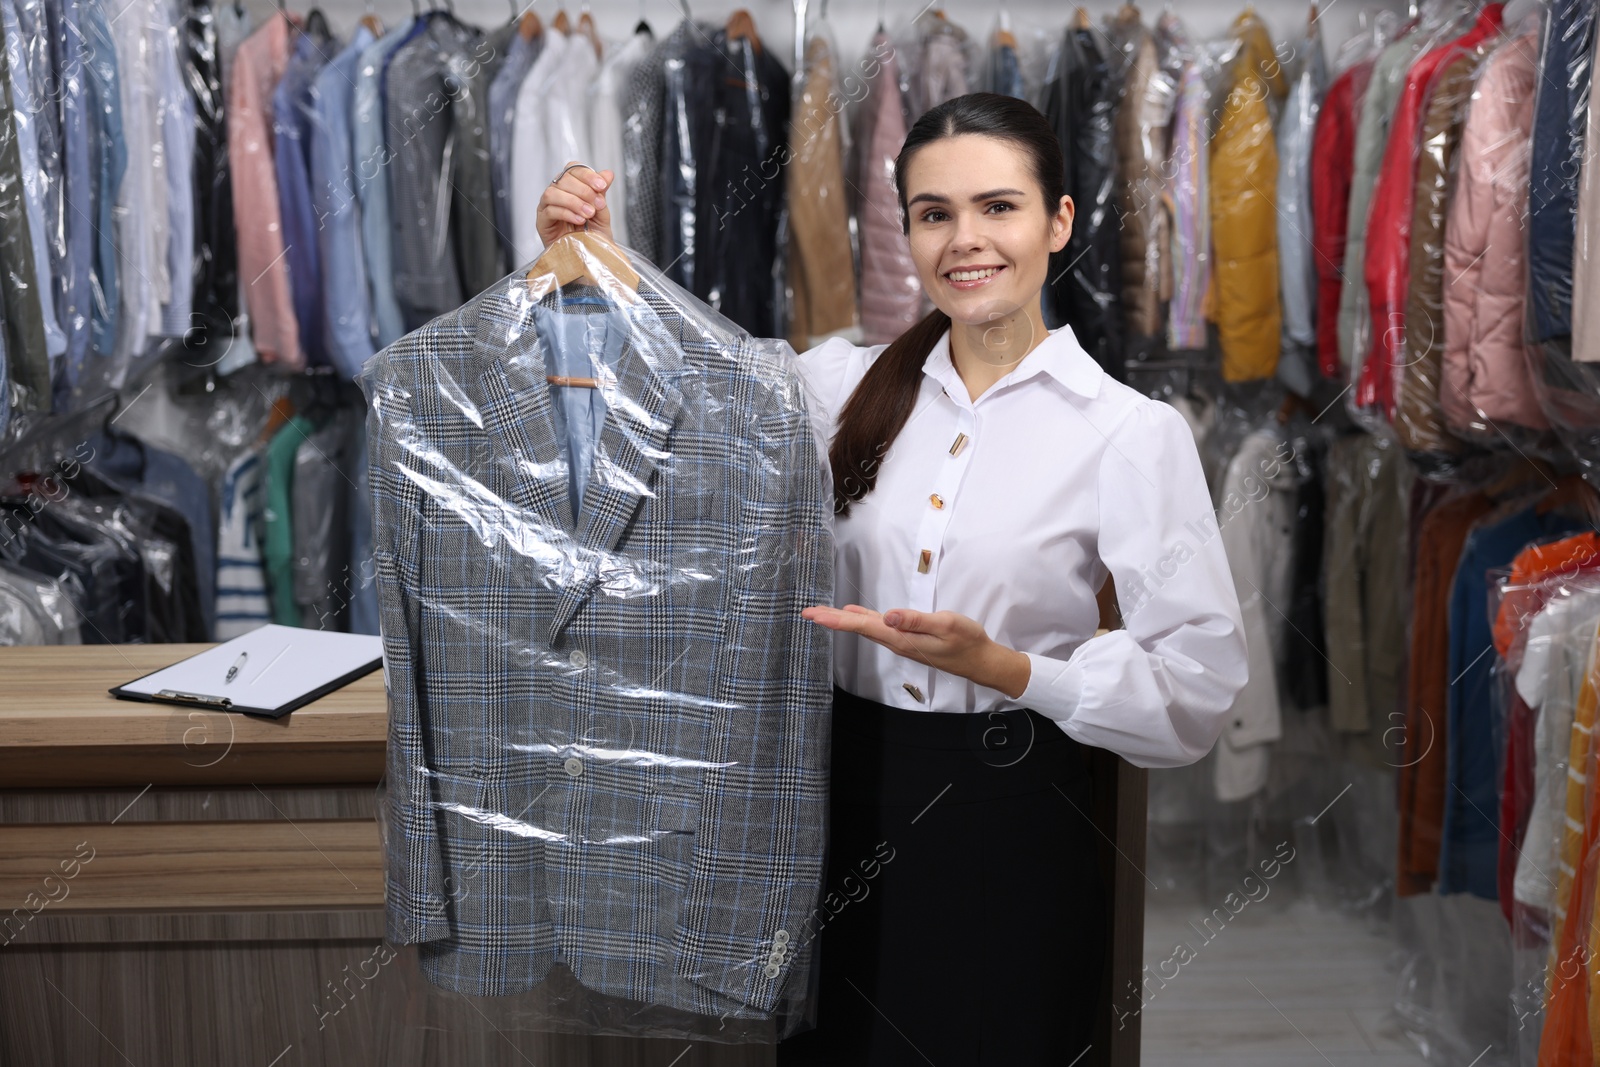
(188, 887)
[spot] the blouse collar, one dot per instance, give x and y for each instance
(1059, 355)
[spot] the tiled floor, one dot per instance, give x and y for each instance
(1275, 986)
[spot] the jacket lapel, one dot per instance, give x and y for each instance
(641, 409)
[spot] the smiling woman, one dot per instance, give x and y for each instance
(988, 479)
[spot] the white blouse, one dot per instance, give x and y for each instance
(1012, 510)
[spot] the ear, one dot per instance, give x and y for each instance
(1061, 224)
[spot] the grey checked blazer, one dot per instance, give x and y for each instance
(607, 745)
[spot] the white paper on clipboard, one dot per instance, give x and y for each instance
(279, 667)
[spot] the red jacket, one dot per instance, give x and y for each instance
(1388, 254)
(1333, 149)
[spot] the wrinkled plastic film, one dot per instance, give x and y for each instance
(1141, 131)
(605, 797)
(1296, 131)
(1186, 172)
(891, 291)
(821, 268)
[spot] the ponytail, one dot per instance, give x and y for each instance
(878, 409)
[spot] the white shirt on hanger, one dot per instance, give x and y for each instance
(1012, 510)
(606, 119)
(532, 167)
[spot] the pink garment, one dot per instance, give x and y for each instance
(257, 67)
(891, 293)
(1485, 377)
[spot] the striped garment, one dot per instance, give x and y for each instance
(241, 575)
(608, 734)
(1188, 189)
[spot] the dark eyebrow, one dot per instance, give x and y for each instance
(992, 194)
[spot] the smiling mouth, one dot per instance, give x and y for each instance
(971, 277)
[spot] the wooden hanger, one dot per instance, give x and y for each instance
(565, 260)
(372, 24)
(1003, 37)
(560, 22)
(586, 27)
(741, 27)
(530, 26)
(1080, 20)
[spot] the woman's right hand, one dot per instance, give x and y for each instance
(577, 197)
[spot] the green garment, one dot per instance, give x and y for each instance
(278, 540)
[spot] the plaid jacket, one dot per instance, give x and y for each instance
(607, 744)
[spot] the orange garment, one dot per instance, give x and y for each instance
(1244, 210)
(1565, 1039)
(1523, 597)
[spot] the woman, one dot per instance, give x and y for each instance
(988, 477)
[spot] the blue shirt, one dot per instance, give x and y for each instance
(73, 302)
(372, 181)
(502, 110)
(1469, 844)
(291, 110)
(108, 153)
(1559, 126)
(347, 311)
(576, 345)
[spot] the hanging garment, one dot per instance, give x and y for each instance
(507, 608)
(69, 50)
(1469, 845)
(1371, 137)
(241, 598)
(719, 236)
(1257, 522)
(502, 113)
(1387, 266)
(362, 579)
(1297, 129)
(1485, 375)
(177, 132)
(1187, 191)
(1423, 765)
(216, 270)
(320, 515)
(108, 158)
(346, 326)
(1558, 126)
(277, 518)
(258, 67)
(483, 256)
(373, 159)
(822, 272)
(1085, 277)
(1143, 116)
(607, 121)
(642, 139)
(891, 290)
(1333, 147)
(27, 114)
(1418, 420)
(35, 610)
(1244, 182)
(944, 68)
(37, 23)
(1586, 247)
(534, 163)
(26, 350)
(1005, 69)
(295, 116)
(435, 221)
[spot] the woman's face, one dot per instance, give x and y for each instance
(981, 232)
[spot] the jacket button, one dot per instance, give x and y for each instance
(578, 659)
(781, 937)
(772, 970)
(776, 957)
(574, 766)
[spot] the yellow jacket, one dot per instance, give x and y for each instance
(1244, 193)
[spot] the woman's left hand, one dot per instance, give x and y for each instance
(943, 640)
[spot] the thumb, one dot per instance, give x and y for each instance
(905, 619)
(602, 209)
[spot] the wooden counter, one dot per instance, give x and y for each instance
(182, 886)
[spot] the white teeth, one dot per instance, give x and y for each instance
(973, 275)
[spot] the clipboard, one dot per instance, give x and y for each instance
(267, 672)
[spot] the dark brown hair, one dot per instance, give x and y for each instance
(881, 404)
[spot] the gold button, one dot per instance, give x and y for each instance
(916, 694)
(959, 444)
(924, 561)
(937, 501)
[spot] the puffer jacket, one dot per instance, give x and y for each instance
(1485, 379)
(1244, 181)
(1418, 423)
(1334, 148)
(891, 292)
(1141, 133)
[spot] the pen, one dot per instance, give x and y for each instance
(233, 671)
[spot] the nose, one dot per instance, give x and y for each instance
(968, 235)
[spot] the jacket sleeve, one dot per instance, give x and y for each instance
(1158, 692)
(415, 887)
(757, 867)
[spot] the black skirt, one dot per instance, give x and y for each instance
(962, 920)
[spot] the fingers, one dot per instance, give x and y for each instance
(574, 200)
